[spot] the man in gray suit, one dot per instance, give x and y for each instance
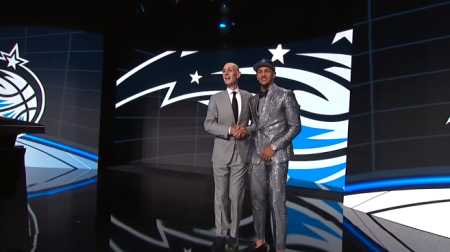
(227, 110)
(276, 122)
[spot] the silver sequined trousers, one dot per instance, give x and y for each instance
(271, 178)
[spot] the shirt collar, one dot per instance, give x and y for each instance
(271, 87)
(230, 92)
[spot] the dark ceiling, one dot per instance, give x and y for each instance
(187, 23)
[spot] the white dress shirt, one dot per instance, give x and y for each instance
(239, 102)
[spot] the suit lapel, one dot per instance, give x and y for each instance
(227, 104)
(267, 107)
(255, 102)
(244, 106)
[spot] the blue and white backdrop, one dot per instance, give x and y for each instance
(162, 100)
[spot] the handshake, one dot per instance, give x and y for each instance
(238, 131)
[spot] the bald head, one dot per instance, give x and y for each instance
(231, 75)
(231, 65)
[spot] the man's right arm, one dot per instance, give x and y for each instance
(211, 124)
(252, 127)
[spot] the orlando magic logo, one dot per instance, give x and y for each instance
(21, 93)
(317, 71)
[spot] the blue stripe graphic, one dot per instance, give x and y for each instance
(336, 206)
(9, 114)
(2, 104)
(63, 189)
(298, 221)
(393, 183)
(369, 244)
(302, 141)
(303, 183)
(315, 174)
(61, 147)
(336, 185)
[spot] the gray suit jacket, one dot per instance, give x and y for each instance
(277, 124)
(219, 119)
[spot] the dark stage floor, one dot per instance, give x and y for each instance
(64, 220)
(155, 210)
(168, 211)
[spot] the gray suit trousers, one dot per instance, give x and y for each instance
(271, 177)
(229, 194)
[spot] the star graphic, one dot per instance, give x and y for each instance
(195, 77)
(448, 121)
(12, 61)
(187, 250)
(13, 57)
(278, 53)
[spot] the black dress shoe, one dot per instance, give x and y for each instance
(218, 244)
(252, 248)
(233, 245)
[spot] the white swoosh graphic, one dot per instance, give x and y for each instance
(142, 65)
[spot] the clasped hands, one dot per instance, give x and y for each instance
(238, 131)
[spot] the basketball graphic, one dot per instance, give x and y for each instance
(21, 93)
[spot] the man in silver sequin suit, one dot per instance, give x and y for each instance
(275, 123)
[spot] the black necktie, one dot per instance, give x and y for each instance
(263, 93)
(234, 106)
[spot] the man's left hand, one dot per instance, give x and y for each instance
(267, 153)
(241, 132)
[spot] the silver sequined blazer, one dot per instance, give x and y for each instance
(277, 124)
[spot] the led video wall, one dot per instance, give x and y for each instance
(398, 166)
(53, 77)
(162, 101)
(399, 133)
